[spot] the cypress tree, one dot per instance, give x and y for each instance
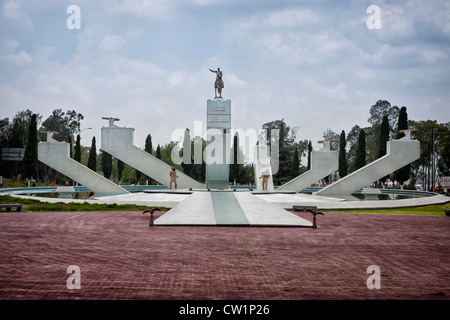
(149, 149)
(234, 167)
(295, 171)
(361, 151)
(77, 154)
(402, 123)
(148, 144)
(384, 137)
(309, 154)
(106, 164)
(187, 157)
(343, 166)
(120, 167)
(69, 140)
(31, 151)
(92, 161)
(158, 152)
(402, 174)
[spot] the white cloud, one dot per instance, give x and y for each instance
(14, 12)
(159, 9)
(112, 43)
(291, 18)
(234, 80)
(21, 58)
(9, 45)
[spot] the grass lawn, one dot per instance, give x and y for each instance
(435, 210)
(36, 205)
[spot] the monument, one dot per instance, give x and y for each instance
(218, 125)
(218, 85)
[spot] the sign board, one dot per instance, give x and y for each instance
(445, 182)
(13, 154)
(218, 114)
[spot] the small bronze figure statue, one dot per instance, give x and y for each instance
(173, 177)
(265, 179)
(218, 85)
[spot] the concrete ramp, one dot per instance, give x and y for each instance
(119, 143)
(399, 153)
(227, 208)
(56, 155)
(323, 163)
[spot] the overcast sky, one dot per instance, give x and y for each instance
(316, 64)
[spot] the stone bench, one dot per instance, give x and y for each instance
(8, 207)
(303, 208)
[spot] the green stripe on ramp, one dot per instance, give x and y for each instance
(227, 210)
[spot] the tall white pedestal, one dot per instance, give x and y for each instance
(217, 152)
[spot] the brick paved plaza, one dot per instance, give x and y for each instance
(121, 257)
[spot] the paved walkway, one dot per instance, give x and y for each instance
(121, 257)
(224, 208)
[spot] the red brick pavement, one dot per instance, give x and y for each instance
(121, 257)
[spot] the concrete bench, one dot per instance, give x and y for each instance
(8, 207)
(303, 208)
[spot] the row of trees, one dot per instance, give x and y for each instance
(357, 148)
(364, 145)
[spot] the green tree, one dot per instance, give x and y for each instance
(92, 161)
(403, 173)
(149, 149)
(69, 141)
(186, 153)
(381, 109)
(361, 151)
(198, 171)
(382, 142)
(384, 137)
(31, 151)
(443, 146)
(352, 142)
(310, 149)
(158, 152)
(77, 154)
(333, 137)
(20, 126)
(139, 175)
(120, 168)
(429, 131)
(66, 124)
(343, 166)
(106, 164)
(295, 170)
(286, 145)
(235, 166)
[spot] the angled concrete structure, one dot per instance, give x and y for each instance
(119, 142)
(323, 163)
(399, 153)
(56, 155)
(228, 208)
